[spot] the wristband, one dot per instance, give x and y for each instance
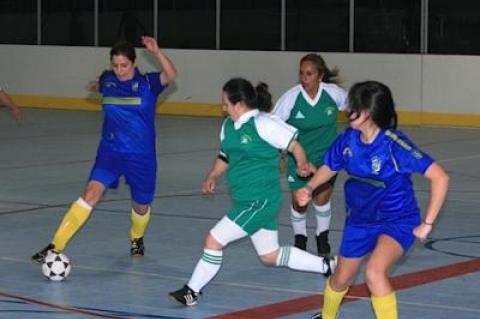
(425, 222)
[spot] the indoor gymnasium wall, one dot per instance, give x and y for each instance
(428, 89)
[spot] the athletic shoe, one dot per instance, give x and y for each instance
(137, 248)
(323, 247)
(185, 296)
(40, 256)
(319, 316)
(300, 242)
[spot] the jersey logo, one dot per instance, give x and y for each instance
(330, 111)
(347, 151)
(290, 178)
(376, 165)
(245, 139)
(299, 115)
(110, 84)
(135, 87)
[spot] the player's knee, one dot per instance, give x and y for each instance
(93, 192)
(374, 273)
(269, 260)
(212, 243)
(141, 209)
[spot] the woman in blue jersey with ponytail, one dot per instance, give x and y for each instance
(383, 218)
(127, 145)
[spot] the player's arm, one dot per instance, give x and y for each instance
(438, 191)
(219, 167)
(304, 168)
(169, 73)
(321, 176)
(5, 99)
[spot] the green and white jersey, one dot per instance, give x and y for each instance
(315, 119)
(251, 146)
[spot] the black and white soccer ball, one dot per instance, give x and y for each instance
(56, 266)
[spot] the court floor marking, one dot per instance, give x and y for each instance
(314, 302)
(58, 306)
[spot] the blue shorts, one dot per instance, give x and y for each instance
(360, 239)
(140, 171)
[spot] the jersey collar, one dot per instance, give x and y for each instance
(307, 97)
(244, 118)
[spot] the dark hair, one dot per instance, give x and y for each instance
(328, 76)
(123, 48)
(376, 98)
(241, 90)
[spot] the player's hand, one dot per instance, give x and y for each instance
(150, 44)
(303, 196)
(306, 169)
(92, 86)
(422, 231)
(209, 185)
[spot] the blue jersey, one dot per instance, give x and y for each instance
(379, 188)
(129, 113)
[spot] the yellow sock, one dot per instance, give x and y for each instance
(331, 301)
(71, 223)
(139, 224)
(385, 307)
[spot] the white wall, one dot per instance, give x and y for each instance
(428, 83)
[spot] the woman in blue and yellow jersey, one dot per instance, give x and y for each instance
(127, 145)
(250, 141)
(383, 217)
(312, 107)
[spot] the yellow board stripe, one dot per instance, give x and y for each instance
(122, 100)
(215, 110)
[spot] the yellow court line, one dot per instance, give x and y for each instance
(215, 110)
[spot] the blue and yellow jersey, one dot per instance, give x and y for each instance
(379, 188)
(129, 113)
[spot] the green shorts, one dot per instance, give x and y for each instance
(255, 215)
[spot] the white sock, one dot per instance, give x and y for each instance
(207, 267)
(299, 222)
(323, 214)
(297, 259)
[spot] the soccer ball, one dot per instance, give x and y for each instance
(56, 266)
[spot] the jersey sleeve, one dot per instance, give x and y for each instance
(407, 157)
(274, 131)
(338, 94)
(335, 157)
(156, 87)
(285, 103)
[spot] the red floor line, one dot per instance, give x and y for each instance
(314, 302)
(59, 307)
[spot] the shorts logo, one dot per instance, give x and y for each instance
(245, 139)
(376, 165)
(299, 115)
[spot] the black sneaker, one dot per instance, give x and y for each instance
(300, 242)
(185, 296)
(323, 247)
(137, 248)
(319, 316)
(40, 256)
(330, 263)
